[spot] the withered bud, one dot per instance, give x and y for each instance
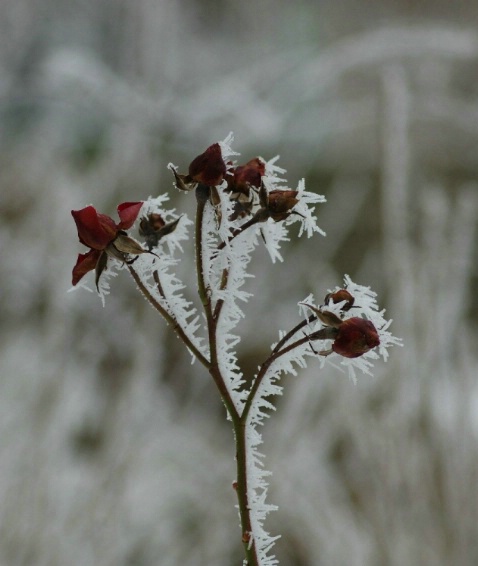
(151, 223)
(209, 167)
(339, 296)
(247, 176)
(152, 228)
(355, 337)
(280, 204)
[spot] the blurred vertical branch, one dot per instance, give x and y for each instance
(396, 201)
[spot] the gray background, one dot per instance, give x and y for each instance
(114, 450)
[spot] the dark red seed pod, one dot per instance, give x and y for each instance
(355, 337)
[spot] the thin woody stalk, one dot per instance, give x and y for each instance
(324, 333)
(242, 493)
(241, 483)
(202, 193)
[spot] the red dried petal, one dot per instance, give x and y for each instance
(85, 263)
(94, 230)
(209, 167)
(355, 337)
(128, 212)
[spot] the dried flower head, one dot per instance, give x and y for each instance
(105, 238)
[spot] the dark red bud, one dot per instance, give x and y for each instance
(339, 296)
(355, 337)
(248, 175)
(209, 167)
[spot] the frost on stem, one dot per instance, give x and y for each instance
(330, 323)
(239, 208)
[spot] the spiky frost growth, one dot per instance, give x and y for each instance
(158, 277)
(225, 275)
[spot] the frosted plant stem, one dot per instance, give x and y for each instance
(240, 428)
(265, 366)
(291, 333)
(224, 280)
(239, 424)
(169, 318)
(205, 296)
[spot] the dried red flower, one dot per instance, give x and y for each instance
(209, 167)
(104, 237)
(355, 337)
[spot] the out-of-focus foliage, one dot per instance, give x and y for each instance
(113, 448)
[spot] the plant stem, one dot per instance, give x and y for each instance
(248, 541)
(220, 302)
(291, 333)
(239, 424)
(204, 294)
(263, 370)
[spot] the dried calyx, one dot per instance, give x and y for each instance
(152, 228)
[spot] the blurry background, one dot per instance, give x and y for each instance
(114, 450)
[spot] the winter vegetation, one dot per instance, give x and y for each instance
(115, 449)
